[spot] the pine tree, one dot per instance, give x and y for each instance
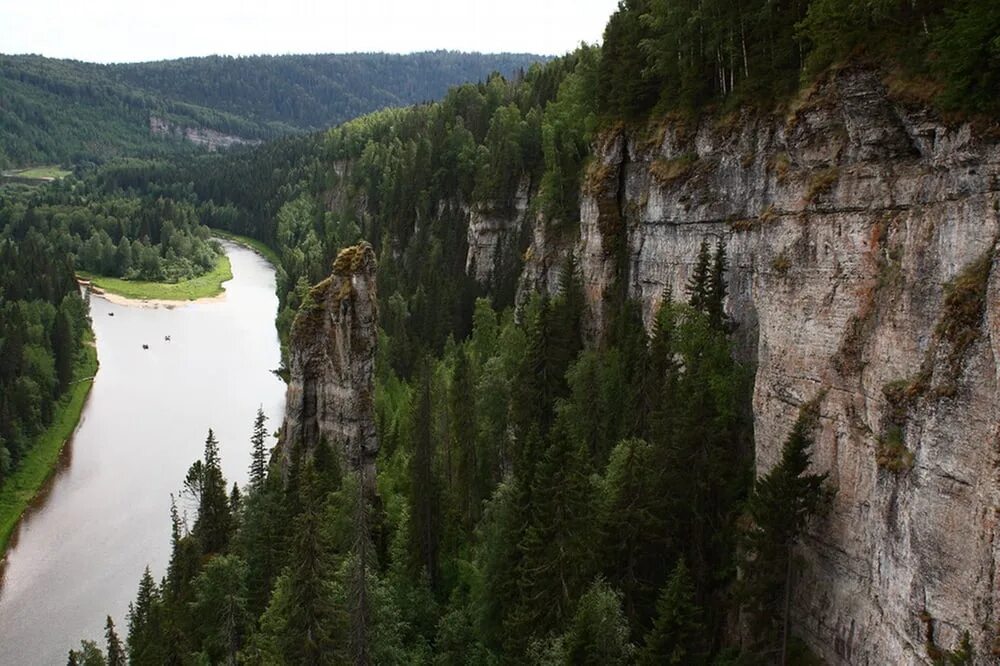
(115, 650)
(678, 633)
(258, 452)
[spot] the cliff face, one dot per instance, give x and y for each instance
(860, 234)
(200, 136)
(332, 366)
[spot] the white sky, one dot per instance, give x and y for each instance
(138, 30)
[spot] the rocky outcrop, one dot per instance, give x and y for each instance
(861, 234)
(332, 366)
(495, 236)
(210, 139)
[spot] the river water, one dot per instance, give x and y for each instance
(79, 552)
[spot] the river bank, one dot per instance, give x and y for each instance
(167, 375)
(205, 286)
(37, 466)
(257, 246)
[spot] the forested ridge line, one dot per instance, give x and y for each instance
(73, 112)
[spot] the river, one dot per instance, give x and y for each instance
(80, 550)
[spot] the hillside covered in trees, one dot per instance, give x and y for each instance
(541, 497)
(43, 325)
(72, 112)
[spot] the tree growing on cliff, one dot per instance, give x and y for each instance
(782, 503)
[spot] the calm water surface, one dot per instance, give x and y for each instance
(80, 551)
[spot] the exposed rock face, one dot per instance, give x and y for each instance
(200, 136)
(845, 224)
(332, 366)
(494, 237)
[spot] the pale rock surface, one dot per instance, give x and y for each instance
(207, 138)
(332, 367)
(843, 222)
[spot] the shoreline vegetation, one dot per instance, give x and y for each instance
(204, 286)
(38, 174)
(24, 485)
(257, 246)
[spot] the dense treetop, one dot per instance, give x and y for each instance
(688, 54)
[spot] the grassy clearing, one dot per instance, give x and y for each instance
(36, 467)
(42, 172)
(204, 286)
(257, 246)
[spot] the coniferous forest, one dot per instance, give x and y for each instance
(545, 493)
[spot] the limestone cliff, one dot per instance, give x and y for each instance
(203, 137)
(332, 366)
(861, 233)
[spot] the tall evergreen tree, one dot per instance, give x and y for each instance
(557, 546)
(598, 634)
(717, 288)
(467, 487)
(425, 494)
(698, 286)
(309, 618)
(115, 650)
(143, 635)
(258, 452)
(214, 522)
(678, 634)
(781, 506)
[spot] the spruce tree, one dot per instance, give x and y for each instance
(717, 289)
(142, 631)
(425, 496)
(662, 373)
(220, 607)
(309, 616)
(468, 487)
(115, 651)
(678, 634)
(698, 287)
(558, 557)
(213, 525)
(637, 528)
(598, 634)
(258, 452)
(781, 506)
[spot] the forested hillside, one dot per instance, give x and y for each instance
(542, 497)
(43, 323)
(72, 112)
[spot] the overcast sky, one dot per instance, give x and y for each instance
(137, 30)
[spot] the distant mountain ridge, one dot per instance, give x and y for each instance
(69, 111)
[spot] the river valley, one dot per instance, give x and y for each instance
(80, 549)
